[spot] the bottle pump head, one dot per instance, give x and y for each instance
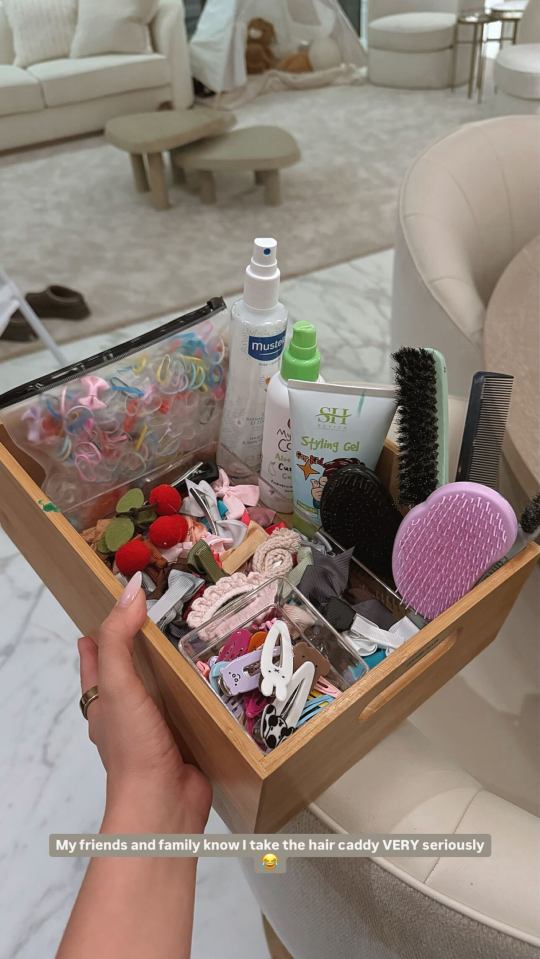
(261, 284)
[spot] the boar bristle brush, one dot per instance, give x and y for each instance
(530, 518)
(421, 380)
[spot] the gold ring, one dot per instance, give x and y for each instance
(87, 698)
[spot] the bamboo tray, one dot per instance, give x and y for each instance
(254, 792)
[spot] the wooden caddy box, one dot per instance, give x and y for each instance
(254, 792)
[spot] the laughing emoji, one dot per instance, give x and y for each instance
(269, 861)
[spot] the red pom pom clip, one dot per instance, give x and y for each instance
(167, 531)
(133, 557)
(166, 499)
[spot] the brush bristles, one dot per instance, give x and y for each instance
(418, 439)
(530, 520)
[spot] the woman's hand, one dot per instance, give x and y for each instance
(149, 787)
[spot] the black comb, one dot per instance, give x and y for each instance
(485, 426)
(358, 512)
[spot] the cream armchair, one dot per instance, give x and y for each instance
(67, 97)
(410, 42)
(467, 206)
(465, 762)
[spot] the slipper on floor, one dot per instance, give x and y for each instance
(18, 330)
(57, 303)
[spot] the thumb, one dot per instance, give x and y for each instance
(116, 635)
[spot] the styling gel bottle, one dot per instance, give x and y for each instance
(258, 327)
(301, 360)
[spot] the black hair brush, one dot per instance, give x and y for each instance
(358, 512)
(422, 384)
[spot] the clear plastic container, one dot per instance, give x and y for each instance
(275, 599)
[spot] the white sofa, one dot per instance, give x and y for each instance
(467, 206)
(67, 97)
(517, 68)
(411, 42)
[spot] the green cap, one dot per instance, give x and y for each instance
(301, 359)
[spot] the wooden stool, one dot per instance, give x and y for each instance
(263, 150)
(149, 134)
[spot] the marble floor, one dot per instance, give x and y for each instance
(52, 779)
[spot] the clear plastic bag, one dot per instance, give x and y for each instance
(123, 414)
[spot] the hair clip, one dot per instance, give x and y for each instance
(180, 587)
(242, 674)
(236, 498)
(327, 577)
(325, 688)
(276, 676)
(228, 588)
(279, 719)
(257, 639)
(203, 668)
(213, 676)
(305, 653)
(201, 559)
(236, 645)
(312, 707)
(275, 556)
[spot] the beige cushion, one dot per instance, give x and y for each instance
(19, 91)
(380, 795)
(113, 26)
(412, 32)
(251, 148)
(165, 129)
(42, 29)
(517, 71)
(408, 785)
(505, 886)
(7, 51)
(512, 343)
(73, 81)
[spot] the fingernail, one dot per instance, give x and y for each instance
(130, 591)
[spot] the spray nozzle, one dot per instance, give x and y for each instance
(264, 256)
(263, 267)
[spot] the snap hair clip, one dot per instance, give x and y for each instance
(279, 719)
(312, 707)
(242, 674)
(325, 688)
(276, 676)
(304, 653)
(236, 645)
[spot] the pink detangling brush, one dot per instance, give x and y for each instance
(445, 544)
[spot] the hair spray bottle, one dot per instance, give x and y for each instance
(258, 328)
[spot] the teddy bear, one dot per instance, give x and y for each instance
(260, 37)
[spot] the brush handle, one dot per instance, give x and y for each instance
(442, 417)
